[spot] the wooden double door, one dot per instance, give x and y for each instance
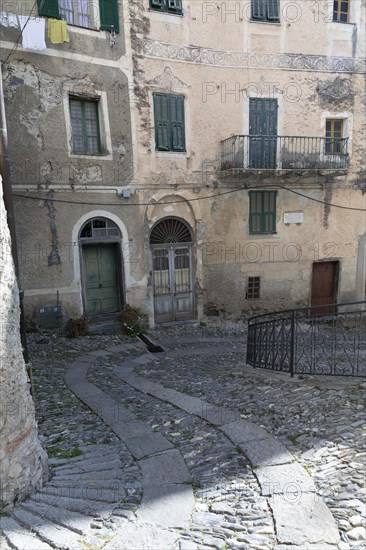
(173, 292)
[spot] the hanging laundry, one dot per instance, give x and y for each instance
(9, 20)
(33, 32)
(57, 31)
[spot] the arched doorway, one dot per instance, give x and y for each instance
(100, 245)
(171, 245)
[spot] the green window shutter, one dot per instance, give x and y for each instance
(273, 11)
(258, 9)
(262, 212)
(109, 17)
(269, 212)
(48, 8)
(177, 122)
(162, 122)
(85, 127)
(255, 206)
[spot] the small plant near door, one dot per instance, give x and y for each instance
(132, 321)
(76, 327)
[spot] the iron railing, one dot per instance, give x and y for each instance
(284, 153)
(326, 340)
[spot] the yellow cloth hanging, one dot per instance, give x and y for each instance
(57, 31)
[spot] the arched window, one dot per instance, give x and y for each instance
(99, 227)
(170, 230)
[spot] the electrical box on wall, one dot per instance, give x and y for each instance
(50, 317)
(126, 193)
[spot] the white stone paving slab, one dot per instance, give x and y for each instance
(167, 506)
(165, 468)
(266, 452)
(284, 479)
(303, 520)
(143, 537)
(147, 445)
(241, 431)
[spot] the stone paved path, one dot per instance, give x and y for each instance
(164, 462)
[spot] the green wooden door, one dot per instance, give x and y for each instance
(100, 278)
(262, 132)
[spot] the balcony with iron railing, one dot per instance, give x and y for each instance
(272, 152)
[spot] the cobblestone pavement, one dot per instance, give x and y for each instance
(320, 421)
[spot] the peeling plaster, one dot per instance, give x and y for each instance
(54, 257)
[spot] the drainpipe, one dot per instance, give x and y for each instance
(8, 201)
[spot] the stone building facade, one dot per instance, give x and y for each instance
(226, 175)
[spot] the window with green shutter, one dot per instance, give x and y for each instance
(169, 122)
(169, 6)
(49, 8)
(85, 127)
(82, 13)
(262, 212)
(265, 10)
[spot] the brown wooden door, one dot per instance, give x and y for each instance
(324, 286)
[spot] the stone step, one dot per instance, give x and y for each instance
(94, 475)
(89, 466)
(18, 537)
(102, 495)
(55, 535)
(91, 483)
(84, 506)
(78, 461)
(74, 521)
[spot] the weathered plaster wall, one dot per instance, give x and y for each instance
(23, 465)
(36, 92)
(41, 281)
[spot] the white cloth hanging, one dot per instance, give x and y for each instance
(9, 20)
(33, 34)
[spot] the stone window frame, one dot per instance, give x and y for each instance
(86, 93)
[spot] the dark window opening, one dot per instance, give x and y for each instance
(169, 6)
(265, 10)
(253, 288)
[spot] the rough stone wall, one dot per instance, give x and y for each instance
(23, 462)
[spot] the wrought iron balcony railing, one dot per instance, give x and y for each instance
(258, 152)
